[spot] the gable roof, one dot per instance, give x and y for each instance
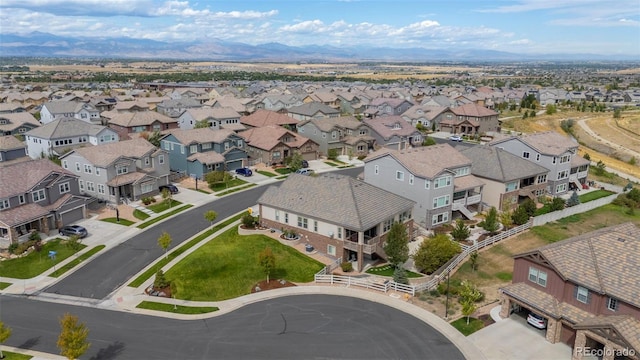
(267, 137)
(105, 154)
(263, 117)
(500, 165)
(139, 118)
(18, 119)
(65, 127)
(312, 108)
(326, 124)
(606, 261)
(200, 135)
(10, 142)
(473, 110)
(389, 126)
(20, 177)
(337, 199)
(62, 107)
(425, 161)
(547, 142)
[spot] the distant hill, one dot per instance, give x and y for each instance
(40, 44)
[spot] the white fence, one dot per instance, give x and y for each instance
(580, 208)
(368, 283)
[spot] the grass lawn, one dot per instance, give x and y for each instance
(71, 264)
(8, 355)
(466, 330)
(176, 309)
(36, 262)
(163, 216)
(282, 177)
(4, 285)
(330, 163)
(266, 173)
(283, 171)
(227, 267)
(225, 185)
(387, 270)
(162, 206)
(124, 222)
(235, 189)
(593, 195)
(177, 252)
(140, 215)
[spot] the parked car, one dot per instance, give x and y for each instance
(71, 230)
(304, 171)
(537, 321)
(172, 188)
(305, 164)
(455, 138)
(244, 171)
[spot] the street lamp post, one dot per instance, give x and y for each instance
(446, 306)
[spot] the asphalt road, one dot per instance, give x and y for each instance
(293, 327)
(114, 268)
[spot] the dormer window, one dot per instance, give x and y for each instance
(396, 126)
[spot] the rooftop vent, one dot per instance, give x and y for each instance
(621, 239)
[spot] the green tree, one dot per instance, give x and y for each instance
(216, 177)
(428, 141)
(210, 216)
(506, 218)
(434, 252)
(154, 138)
(586, 156)
(468, 295)
(397, 245)
(164, 241)
(557, 203)
(167, 198)
(74, 243)
(473, 259)
(574, 199)
(201, 124)
(551, 109)
(617, 113)
(248, 220)
(72, 341)
(332, 154)
(520, 216)
(490, 222)
(5, 332)
(461, 231)
(267, 261)
(529, 206)
(294, 162)
(600, 168)
(160, 282)
(400, 275)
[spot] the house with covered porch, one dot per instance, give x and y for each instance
(338, 215)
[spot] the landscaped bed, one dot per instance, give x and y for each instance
(227, 267)
(468, 329)
(387, 270)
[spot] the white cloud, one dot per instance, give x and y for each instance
(83, 7)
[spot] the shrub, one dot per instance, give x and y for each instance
(249, 221)
(160, 282)
(12, 248)
(434, 252)
(332, 154)
(346, 266)
(557, 204)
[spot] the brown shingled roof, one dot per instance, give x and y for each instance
(263, 117)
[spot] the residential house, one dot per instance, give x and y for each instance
(175, 107)
(199, 94)
(587, 288)
(553, 151)
(54, 110)
(437, 177)
(336, 214)
(215, 117)
(423, 115)
(312, 110)
(272, 144)
(128, 124)
(469, 119)
(326, 97)
(346, 135)
(196, 152)
(121, 171)
(17, 123)
(352, 102)
(39, 196)
(262, 118)
(12, 107)
(387, 107)
(551, 96)
(509, 179)
(279, 102)
(393, 131)
(64, 134)
(243, 106)
(12, 150)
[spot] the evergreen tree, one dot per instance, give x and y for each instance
(397, 245)
(490, 222)
(573, 200)
(461, 231)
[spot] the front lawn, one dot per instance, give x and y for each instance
(163, 216)
(140, 215)
(387, 270)
(176, 309)
(162, 206)
(593, 195)
(466, 330)
(36, 262)
(122, 221)
(266, 173)
(226, 185)
(227, 267)
(283, 171)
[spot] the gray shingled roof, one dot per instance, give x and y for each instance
(104, 155)
(65, 127)
(497, 164)
(10, 142)
(62, 107)
(312, 108)
(327, 124)
(547, 142)
(21, 177)
(201, 135)
(425, 161)
(336, 199)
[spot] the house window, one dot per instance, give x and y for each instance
(147, 187)
(101, 188)
(64, 188)
(315, 225)
(81, 184)
(339, 233)
(161, 159)
(525, 154)
(537, 157)
(410, 179)
(511, 186)
(561, 188)
(277, 215)
(286, 218)
(239, 143)
(87, 169)
(91, 186)
(98, 171)
(38, 195)
(538, 276)
(4, 204)
(78, 167)
(442, 182)
(441, 201)
(400, 175)
(612, 304)
(303, 222)
(167, 146)
(122, 170)
(181, 149)
(331, 250)
(440, 218)
(582, 294)
(427, 184)
(462, 171)
(542, 179)
(565, 159)
(21, 199)
(376, 169)
(193, 149)
(65, 164)
(386, 226)
(206, 146)
(275, 154)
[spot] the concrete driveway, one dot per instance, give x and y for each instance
(512, 339)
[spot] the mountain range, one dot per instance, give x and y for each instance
(38, 44)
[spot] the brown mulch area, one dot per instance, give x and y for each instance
(486, 319)
(272, 284)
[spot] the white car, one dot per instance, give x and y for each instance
(537, 321)
(455, 138)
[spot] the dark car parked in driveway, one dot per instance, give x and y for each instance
(71, 230)
(172, 188)
(244, 171)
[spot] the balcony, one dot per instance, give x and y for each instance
(473, 199)
(370, 245)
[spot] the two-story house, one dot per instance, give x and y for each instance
(468, 119)
(262, 118)
(121, 171)
(12, 150)
(312, 110)
(65, 134)
(345, 134)
(553, 151)
(336, 214)
(130, 124)
(54, 110)
(17, 123)
(587, 288)
(393, 131)
(509, 179)
(174, 107)
(216, 117)
(196, 152)
(387, 107)
(279, 102)
(37, 195)
(437, 177)
(272, 144)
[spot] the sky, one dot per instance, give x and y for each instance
(601, 27)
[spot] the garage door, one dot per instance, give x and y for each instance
(232, 165)
(72, 216)
(568, 335)
(309, 155)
